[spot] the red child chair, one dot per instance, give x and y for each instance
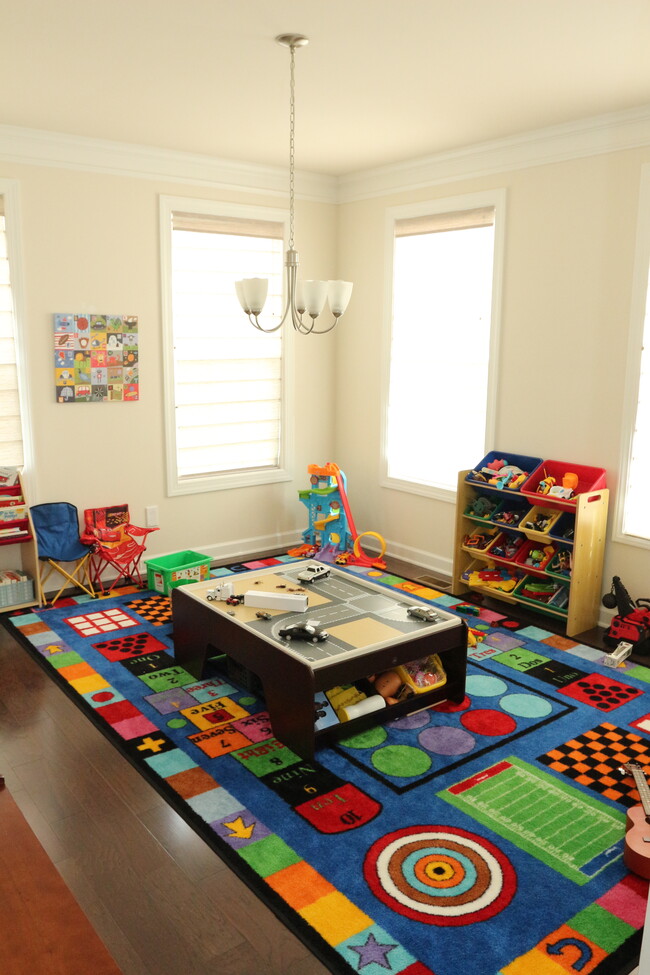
(118, 545)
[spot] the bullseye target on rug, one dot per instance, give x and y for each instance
(440, 875)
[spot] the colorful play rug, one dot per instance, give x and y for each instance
(485, 837)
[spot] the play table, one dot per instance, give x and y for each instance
(369, 631)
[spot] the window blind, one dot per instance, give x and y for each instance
(636, 520)
(11, 441)
(434, 223)
(441, 332)
(227, 376)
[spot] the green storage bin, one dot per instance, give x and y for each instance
(179, 569)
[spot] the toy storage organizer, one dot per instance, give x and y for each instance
(543, 552)
(17, 584)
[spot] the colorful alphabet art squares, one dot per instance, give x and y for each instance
(96, 358)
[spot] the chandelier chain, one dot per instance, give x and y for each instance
(301, 310)
(292, 127)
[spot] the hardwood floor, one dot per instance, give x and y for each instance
(161, 901)
(46, 929)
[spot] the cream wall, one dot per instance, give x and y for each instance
(569, 257)
(90, 242)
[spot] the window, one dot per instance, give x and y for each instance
(633, 513)
(14, 416)
(445, 278)
(226, 396)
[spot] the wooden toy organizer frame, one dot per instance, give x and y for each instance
(585, 582)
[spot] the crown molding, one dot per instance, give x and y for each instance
(587, 137)
(38, 147)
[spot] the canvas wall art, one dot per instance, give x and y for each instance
(96, 358)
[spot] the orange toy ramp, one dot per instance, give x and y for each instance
(359, 556)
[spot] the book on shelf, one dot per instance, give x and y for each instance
(11, 500)
(8, 476)
(17, 512)
(10, 576)
(14, 530)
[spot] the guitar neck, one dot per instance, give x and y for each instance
(643, 789)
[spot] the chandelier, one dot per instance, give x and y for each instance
(305, 300)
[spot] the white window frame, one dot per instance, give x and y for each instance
(9, 190)
(639, 299)
(470, 201)
(235, 479)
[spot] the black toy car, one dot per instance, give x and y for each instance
(303, 631)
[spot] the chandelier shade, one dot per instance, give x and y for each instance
(305, 300)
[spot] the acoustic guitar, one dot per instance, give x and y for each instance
(637, 828)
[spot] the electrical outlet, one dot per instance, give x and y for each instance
(151, 515)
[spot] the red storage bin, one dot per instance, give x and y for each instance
(547, 551)
(589, 479)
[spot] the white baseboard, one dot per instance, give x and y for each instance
(439, 565)
(222, 552)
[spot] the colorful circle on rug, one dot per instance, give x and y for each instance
(526, 705)
(449, 707)
(447, 741)
(479, 685)
(409, 722)
(176, 723)
(369, 738)
(401, 761)
(486, 721)
(101, 697)
(440, 875)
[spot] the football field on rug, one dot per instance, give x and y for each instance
(483, 837)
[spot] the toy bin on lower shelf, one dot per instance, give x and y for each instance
(510, 511)
(564, 528)
(482, 507)
(490, 576)
(480, 538)
(543, 592)
(562, 562)
(539, 521)
(179, 569)
(15, 588)
(535, 556)
(505, 546)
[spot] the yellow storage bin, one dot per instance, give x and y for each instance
(423, 675)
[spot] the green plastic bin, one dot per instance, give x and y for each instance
(179, 569)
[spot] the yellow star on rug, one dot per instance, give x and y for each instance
(239, 830)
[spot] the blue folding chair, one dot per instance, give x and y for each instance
(56, 526)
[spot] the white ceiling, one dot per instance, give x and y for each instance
(382, 81)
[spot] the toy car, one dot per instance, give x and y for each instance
(261, 615)
(303, 631)
(313, 572)
(423, 613)
(234, 600)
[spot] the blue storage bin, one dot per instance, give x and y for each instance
(565, 523)
(528, 465)
(510, 511)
